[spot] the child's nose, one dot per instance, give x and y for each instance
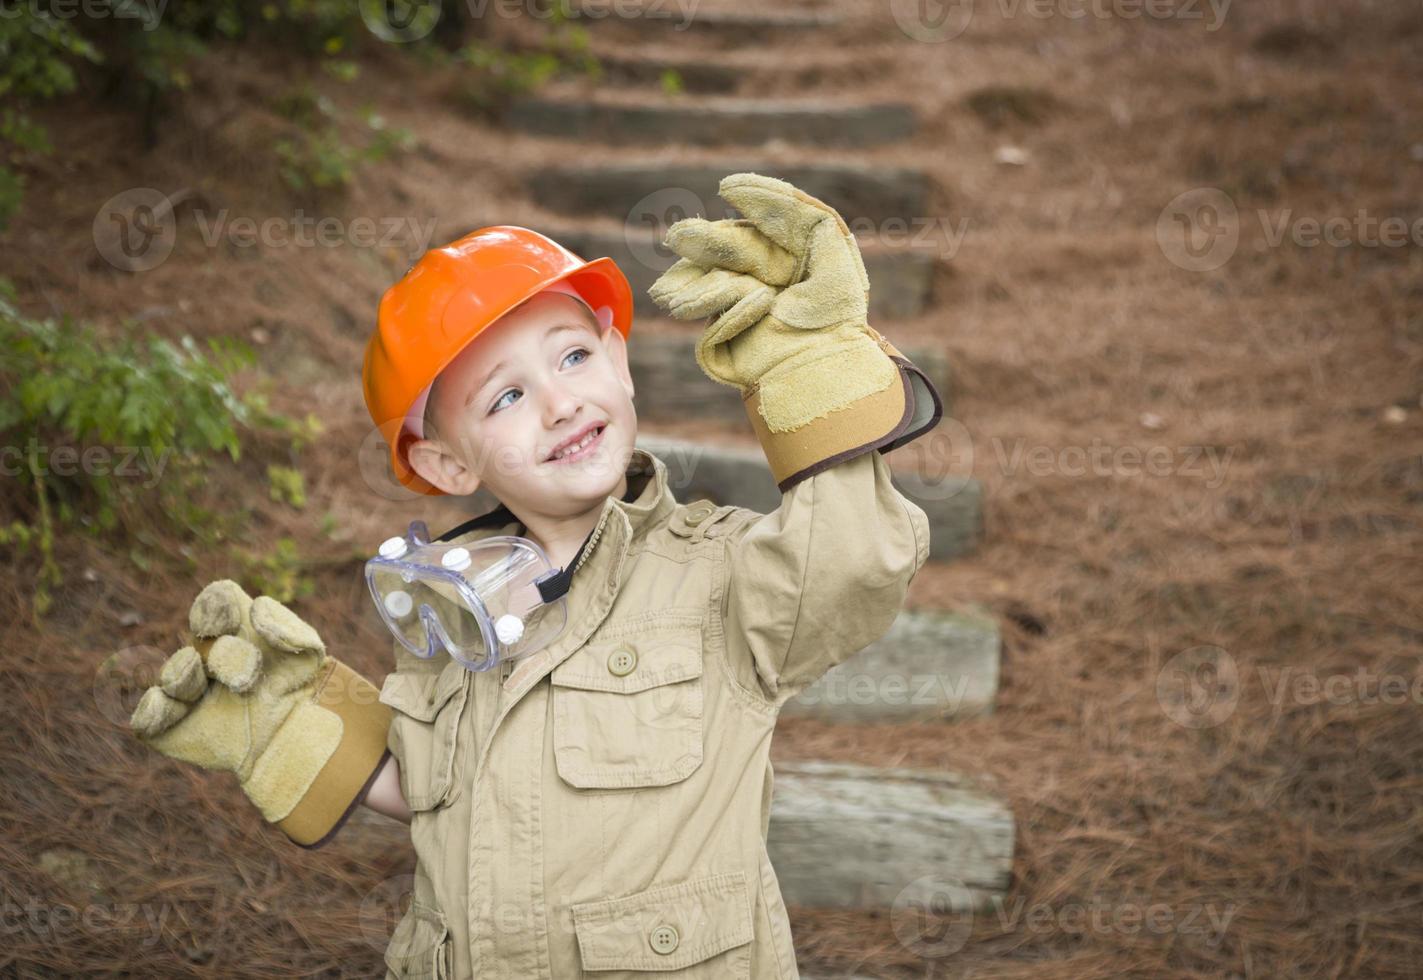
(560, 402)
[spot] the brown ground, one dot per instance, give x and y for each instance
(1283, 840)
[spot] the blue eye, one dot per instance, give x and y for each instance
(500, 404)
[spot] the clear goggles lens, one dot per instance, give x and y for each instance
(480, 602)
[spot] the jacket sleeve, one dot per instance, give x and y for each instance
(821, 577)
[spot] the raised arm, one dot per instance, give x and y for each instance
(827, 395)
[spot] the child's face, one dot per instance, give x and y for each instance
(552, 377)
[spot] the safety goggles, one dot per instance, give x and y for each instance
(492, 600)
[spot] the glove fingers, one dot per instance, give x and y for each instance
(736, 245)
(183, 676)
(745, 312)
(234, 662)
(156, 713)
(783, 212)
(218, 609)
(282, 629)
(835, 289)
(706, 292)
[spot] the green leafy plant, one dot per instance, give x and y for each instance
(319, 157)
(286, 485)
(492, 75)
(107, 435)
(278, 572)
(37, 57)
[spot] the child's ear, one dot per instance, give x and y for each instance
(616, 346)
(433, 460)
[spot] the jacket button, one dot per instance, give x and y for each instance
(664, 939)
(699, 512)
(622, 661)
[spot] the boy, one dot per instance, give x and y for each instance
(600, 805)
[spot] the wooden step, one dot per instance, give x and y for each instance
(901, 279)
(852, 836)
(696, 77)
(671, 386)
(929, 666)
(849, 836)
(865, 195)
(722, 121)
(730, 475)
(643, 65)
(674, 20)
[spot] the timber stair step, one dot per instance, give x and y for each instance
(713, 120)
(740, 476)
(901, 279)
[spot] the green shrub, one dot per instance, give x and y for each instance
(106, 436)
(37, 53)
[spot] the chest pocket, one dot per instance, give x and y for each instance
(424, 731)
(627, 711)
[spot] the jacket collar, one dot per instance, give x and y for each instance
(597, 573)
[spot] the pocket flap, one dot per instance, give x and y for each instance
(656, 659)
(421, 693)
(665, 928)
(419, 947)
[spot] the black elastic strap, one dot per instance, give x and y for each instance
(552, 584)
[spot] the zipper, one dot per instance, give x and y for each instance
(592, 541)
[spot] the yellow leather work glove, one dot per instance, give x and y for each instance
(257, 695)
(787, 289)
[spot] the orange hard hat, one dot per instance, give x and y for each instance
(448, 298)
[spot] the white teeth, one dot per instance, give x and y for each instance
(579, 445)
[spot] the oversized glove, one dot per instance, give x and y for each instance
(257, 695)
(787, 289)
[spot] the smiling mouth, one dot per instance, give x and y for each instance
(581, 448)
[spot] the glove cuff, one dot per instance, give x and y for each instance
(883, 420)
(338, 785)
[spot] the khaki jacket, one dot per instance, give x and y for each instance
(602, 808)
